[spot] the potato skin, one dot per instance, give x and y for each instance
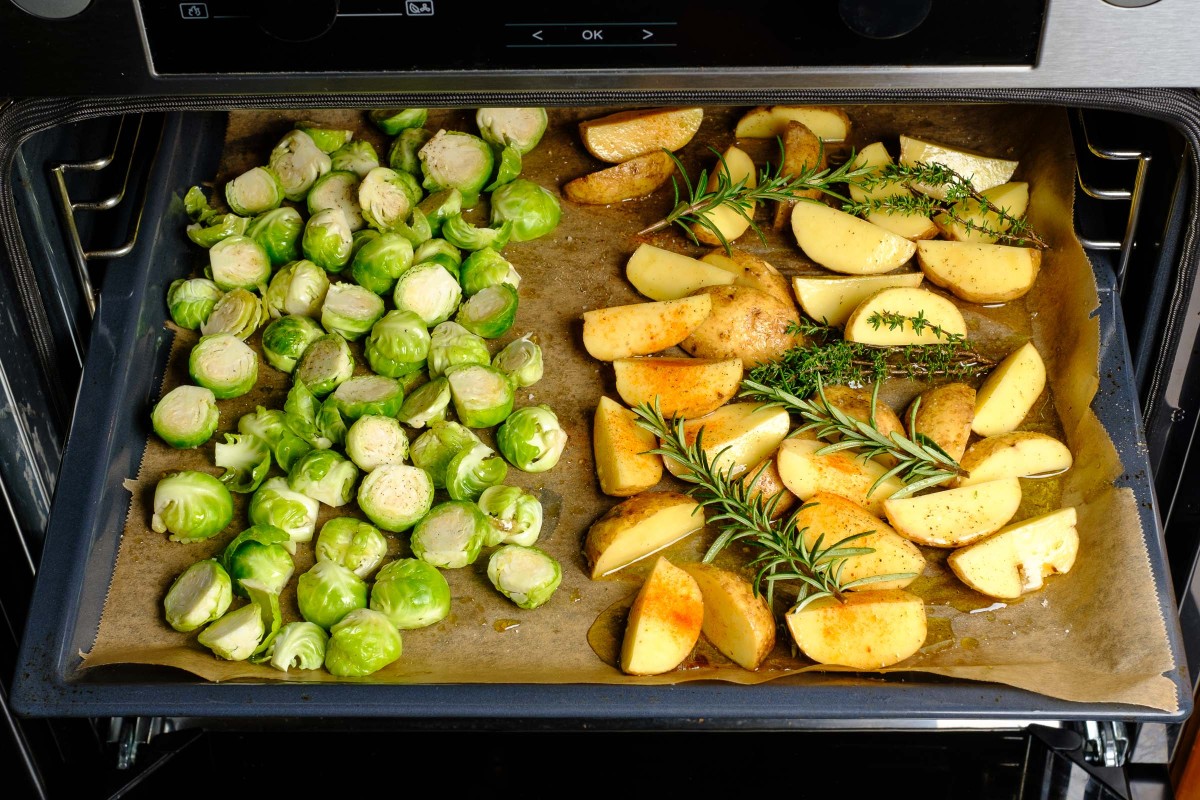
(755, 273)
(747, 323)
(945, 415)
(628, 180)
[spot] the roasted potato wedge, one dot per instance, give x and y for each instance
(910, 226)
(981, 170)
(664, 622)
(766, 122)
(805, 472)
(955, 517)
(736, 436)
(750, 270)
(628, 180)
(1009, 392)
(1016, 559)
(744, 323)
(833, 518)
(729, 221)
(638, 527)
(640, 329)
(980, 273)
(628, 134)
(624, 465)
(736, 620)
(1016, 454)
(911, 303)
(802, 149)
(830, 300)
(856, 403)
(845, 243)
(666, 275)
(763, 481)
(684, 387)
(1012, 198)
(866, 630)
(944, 414)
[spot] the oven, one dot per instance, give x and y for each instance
(113, 108)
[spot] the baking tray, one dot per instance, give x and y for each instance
(106, 446)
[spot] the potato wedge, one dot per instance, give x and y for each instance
(1016, 559)
(833, 518)
(831, 300)
(640, 329)
(628, 180)
(728, 221)
(685, 387)
(981, 170)
(745, 323)
(802, 149)
(1016, 454)
(805, 472)
(767, 122)
(763, 481)
(736, 436)
(868, 630)
(665, 275)
(856, 403)
(937, 311)
(664, 622)
(1012, 198)
(944, 414)
(738, 622)
(910, 226)
(752, 271)
(955, 517)
(1009, 392)
(844, 243)
(980, 273)
(638, 527)
(624, 466)
(628, 134)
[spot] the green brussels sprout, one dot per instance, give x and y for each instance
(507, 168)
(402, 155)
(191, 300)
(394, 120)
(246, 460)
(325, 365)
(324, 475)
(191, 506)
(482, 395)
(411, 593)
(457, 160)
(298, 288)
(198, 595)
(297, 162)
(224, 364)
(217, 229)
(433, 450)
(531, 438)
(363, 643)
(384, 198)
(259, 554)
(379, 262)
(327, 240)
(186, 416)
(451, 535)
(301, 409)
(514, 514)
(452, 345)
(461, 233)
(236, 635)
(439, 207)
(439, 251)
(472, 470)
(337, 191)
(367, 394)
(533, 210)
(358, 157)
(328, 140)
(398, 344)
(331, 424)
(239, 262)
(356, 545)
(521, 361)
(240, 312)
(413, 380)
(298, 645)
(417, 230)
(360, 239)
(490, 312)
(350, 310)
(294, 513)
(253, 192)
(274, 427)
(484, 268)
(196, 206)
(395, 496)
(327, 592)
(519, 128)
(427, 404)
(286, 339)
(412, 188)
(278, 231)
(429, 291)
(526, 575)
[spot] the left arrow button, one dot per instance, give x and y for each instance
(537, 35)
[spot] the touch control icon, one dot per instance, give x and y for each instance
(193, 10)
(419, 9)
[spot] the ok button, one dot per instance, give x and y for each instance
(592, 34)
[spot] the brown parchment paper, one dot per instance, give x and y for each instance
(1094, 635)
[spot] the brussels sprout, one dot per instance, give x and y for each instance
(507, 169)
(298, 645)
(472, 470)
(452, 345)
(514, 514)
(457, 160)
(417, 230)
(324, 475)
(490, 312)
(191, 300)
(519, 128)
(427, 404)
(253, 192)
(461, 233)
(350, 310)
(394, 120)
(482, 395)
(259, 554)
(325, 365)
(235, 636)
(331, 424)
(297, 162)
(199, 595)
(526, 575)
(294, 513)
(368, 394)
(363, 643)
(413, 380)
(531, 438)
(274, 427)
(195, 204)
(223, 363)
(327, 239)
(429, 291)
(326, 139)
(191, 506)
(384, 198)
(439, 207)
(451, 535)
(412, 188)
(299, 288)
(240, 312)
(286, 339)
(239, 262)
(301, 410)
(358, 157)
(485, 268)
(217, 229)
(328, 592)
(246, 460)
(360, 239)
(278, 231)
(395, 496)
(402, 155)
(411, 593)
(356, 545)
(439, 251)
(533, 210)
(379, 262)
(521, 361)
(433, 450)
(186, 416)
(398, 344)
(337, 191)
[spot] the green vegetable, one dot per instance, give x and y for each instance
(199, 595)
(482, 395)
(472, 470)
(532, 209)
(398, 344)
(358, 157)
(508, 168)
(521, 361)
(235, 636)
(301, 409)
(278, 231)
(379, 262)
(356, 545)
(519, 128)
(195, 204)
(274, 428)
(484, 268)
(327, 239)
(531, 438)
(350, 310)
(411, 594)
(433, 449)
(239, 312)
(412, 188)
(338, 191)
(439, 207)
(394, 120)
(373, 441)
(217, 229)
(490, 312)
(294, 513)
(253, 192)
(298, 645)
(325, 365)
(324, 475)
(515, 515)
(191, 506)
(384, 198)
(259, 554)
(417, 230)
(186, 416)
(239, 262)
(246, 460)
(298, 288)
(224, 364)
(452, 345)
(297, 162)
(286, 339)
(526, 575)
(328, 592)
(457, 160)
(461, 233)
(451, 535)
(439, 251)
(327, 139)
(331, 423)
(395, 496)
(403, 153)
(364, 642)
(429, 291)
(427, 404)
(368, 394)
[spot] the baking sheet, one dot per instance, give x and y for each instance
(1096, 635)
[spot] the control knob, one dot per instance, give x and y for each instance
(295, 20)
(883, 19)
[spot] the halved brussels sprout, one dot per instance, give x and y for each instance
(457, 160)
(327, 240)
(429, 291)
(253, 192)
(350, 310)
(324, 475)
(507, 170)
(533, 210)
(379, 262)
(240, 312)
(532, 439)
(484, 268)
(367, 394)
(187, 416)
(384, 198)
(417, 229)
(239, 262)
(413, 380)
(461, 233)
(519, 128)
(526, 575)
(191, 300)
(411, 593)
(236, 635)
(427, 404)
(337, 191)
(331, 424)
(358, 157)
(298, 288)
(412, 187)
(294, 513)
(286, 339)
(298, 645)
(356, 545)
(398, 344)
(199, 595)
(325, 365)
(361, 239)
(278, 231)
(472, 470)
(301, 410)
(259, 554)
(451, 535)
(452, 345)
(297, 162)
(363, 643)
(433, 450)
(191, 506)
(439, 251)
(490, 312)
(217, 229)
(326, 138)
(395, 496)
(482, 395)
(402, 155)
(224, 364)
(514, 514)
(393, 120)
(195, 204)
(521, 361)
(439, 207)
(246, 460)
(274, 428)
(327, 592)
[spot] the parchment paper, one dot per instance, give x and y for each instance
(1094, 635)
